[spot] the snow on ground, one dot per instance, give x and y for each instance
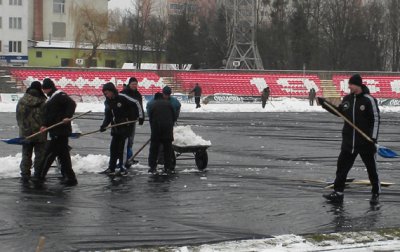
(358, 241)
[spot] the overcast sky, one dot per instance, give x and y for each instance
(122, 4)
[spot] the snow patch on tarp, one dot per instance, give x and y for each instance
(351, 241)
(184, 136)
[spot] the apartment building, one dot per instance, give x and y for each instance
(23, 23)
(13, 32)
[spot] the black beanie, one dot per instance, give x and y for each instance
(166, 90)
(37, 88)
(109, 86)
(356, 80)
(48, 84)
(132, 79)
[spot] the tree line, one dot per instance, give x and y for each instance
(359, 35)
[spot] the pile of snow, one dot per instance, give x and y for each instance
(184, 136)
(295, 243)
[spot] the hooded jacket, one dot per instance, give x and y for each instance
(59, 106)
(29, 114)
(136, 96)
(120, 109)
(362, 110)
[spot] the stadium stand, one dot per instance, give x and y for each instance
(88, 82)
(379, 86)
(78, 82)
(250, 84)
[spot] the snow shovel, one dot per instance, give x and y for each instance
(382, 151)
(21, 140)
(130, 160)
(78, 135)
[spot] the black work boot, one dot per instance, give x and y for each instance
(334, 197)
(374, 199)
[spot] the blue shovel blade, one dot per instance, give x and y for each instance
(18, 140)
(386, 152)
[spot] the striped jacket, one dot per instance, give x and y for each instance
(362, 110)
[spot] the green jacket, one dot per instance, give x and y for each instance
(30, 113)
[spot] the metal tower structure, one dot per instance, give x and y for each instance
(244, 52)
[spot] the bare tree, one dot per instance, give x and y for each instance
(394, 30)
(91, 26)
(138, 25)
(157, 32)
(338, 18)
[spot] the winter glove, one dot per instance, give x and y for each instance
(321, 100)
(102, 128)
(141, 121)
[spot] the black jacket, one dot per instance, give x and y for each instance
(162, 118)
(136, 96)
(196, 91)
(117, 110)
(362, 110)
(59, 106)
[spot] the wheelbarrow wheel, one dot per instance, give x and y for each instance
(201, 159)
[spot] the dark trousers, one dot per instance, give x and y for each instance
(153, 154)
(263, 102)
(345, 163)
(312, 101)
(197, 101)
(26, 163)
(116, 150)
(58, 147)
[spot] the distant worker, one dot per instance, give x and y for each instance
(311, 96)
(362, 110)
(131, 92)
(264, 96)
(30, 112)
(197, 94)
(162, 118)
(59, 107)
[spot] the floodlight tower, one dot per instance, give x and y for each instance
(244, 52)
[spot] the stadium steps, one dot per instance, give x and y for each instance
(173, 84)
(8, 84)
(330, 92)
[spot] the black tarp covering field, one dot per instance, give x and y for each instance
(263, 179)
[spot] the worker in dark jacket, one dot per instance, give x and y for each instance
(162, 118)
(362, 110)
(264, 96)
(118, 109)
(311, 96)
(131, 92)
(59, 108)
(30, 112)
(197, 94)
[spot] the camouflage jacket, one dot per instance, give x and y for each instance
(30, 113)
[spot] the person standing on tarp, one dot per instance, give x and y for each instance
(29, 113)
(59, 107)
(311, 96)
(162, 118)
(131, 92)
(197, 94)
(264, 96)
(118, 109)
(362, 110)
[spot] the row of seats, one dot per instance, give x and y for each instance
(85, 82)
(250, 83)
(379, 86)
(90, 82)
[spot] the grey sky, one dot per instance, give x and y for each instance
(122, 4)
